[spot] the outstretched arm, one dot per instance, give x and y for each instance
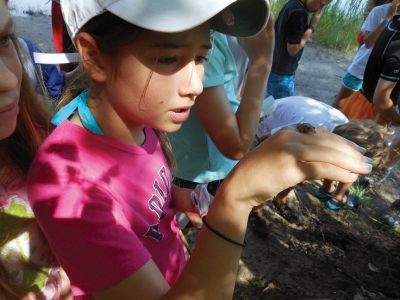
(285, 159)
(233, 133)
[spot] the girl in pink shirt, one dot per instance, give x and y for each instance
(101, 185)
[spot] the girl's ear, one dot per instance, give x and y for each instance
(93, 60)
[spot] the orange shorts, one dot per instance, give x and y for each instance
(357, 107)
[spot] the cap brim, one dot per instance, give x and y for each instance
(250, 16)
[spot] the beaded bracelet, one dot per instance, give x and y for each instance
(223, 236)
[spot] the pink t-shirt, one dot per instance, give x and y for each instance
(105, 207)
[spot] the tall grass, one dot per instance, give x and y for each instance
(339, 25)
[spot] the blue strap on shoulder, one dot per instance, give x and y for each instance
(78, 103)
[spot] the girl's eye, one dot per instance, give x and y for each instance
(201, 59)
(167, 60)
(5, 41)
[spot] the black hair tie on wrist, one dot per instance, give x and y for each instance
(223, 236)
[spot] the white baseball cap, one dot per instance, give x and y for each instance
(233, 17)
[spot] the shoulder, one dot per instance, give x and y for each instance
(63, 142)
(374, 17)
(220, 67)
(291, 11)
(219, 51)
(299, 15)
(378, 10)
(295, 7)
(214, 67)
(292, 6)
(61, 157)
(295, 13)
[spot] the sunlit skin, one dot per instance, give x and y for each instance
(10, 75)
(156, 81)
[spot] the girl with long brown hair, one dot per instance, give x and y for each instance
(27, 266)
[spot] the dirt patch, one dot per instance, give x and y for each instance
(330, 255)
(320, 73)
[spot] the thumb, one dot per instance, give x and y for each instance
(194, 218)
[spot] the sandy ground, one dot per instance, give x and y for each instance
(345, 255)
(37, 29)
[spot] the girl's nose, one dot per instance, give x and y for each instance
(194, 86)
(8, 78)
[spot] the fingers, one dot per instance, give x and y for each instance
(330, 148)
(329, 140)
(289, 157)
(322, 170)
(327, 155)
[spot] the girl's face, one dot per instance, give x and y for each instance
(158, 77)
(10, 75)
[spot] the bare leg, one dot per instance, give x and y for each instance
(340, 192)
(328, 186)
(343, 93)
(394, 153)
(280, 203)
(280, 200)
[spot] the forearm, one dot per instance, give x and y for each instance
(248, 113)
(293, 49)
(383, 102)
(370, 38)
(390, 115)
(260, 53)
(211, 271)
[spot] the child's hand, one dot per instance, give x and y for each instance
(183, 203)
(290, 157)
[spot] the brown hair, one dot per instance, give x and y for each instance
(373, 137)
(110, 34)
(18, 150)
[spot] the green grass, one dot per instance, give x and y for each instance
(339, 24)
(361, 193)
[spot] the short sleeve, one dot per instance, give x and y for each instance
(391, 66)
(373, 18)
(297, 24)
(86, 229)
